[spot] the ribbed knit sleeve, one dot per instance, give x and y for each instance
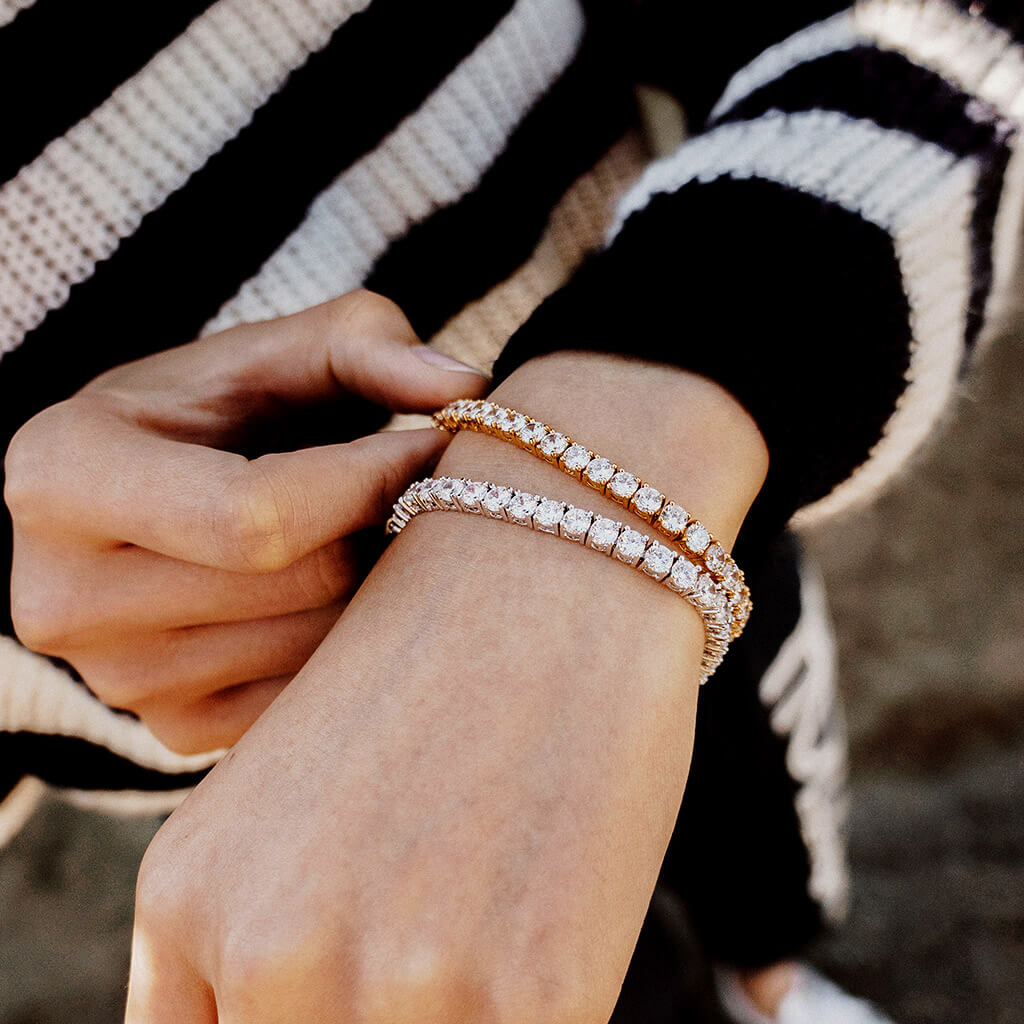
(824, 247)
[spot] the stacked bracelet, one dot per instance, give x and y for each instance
(547, 515)
(667, 517)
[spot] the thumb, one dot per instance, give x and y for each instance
(375, 353)
(360, 344)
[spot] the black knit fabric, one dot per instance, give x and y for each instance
(60, 58)
(815, 346)
(807, 301)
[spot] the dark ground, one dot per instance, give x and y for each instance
(927, 590)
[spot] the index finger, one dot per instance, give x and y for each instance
(111, 482)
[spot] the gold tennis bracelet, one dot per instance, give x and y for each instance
(667, 517)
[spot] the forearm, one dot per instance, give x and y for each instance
(466, 794)
(564, 674)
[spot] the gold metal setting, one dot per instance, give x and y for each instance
(510, 425)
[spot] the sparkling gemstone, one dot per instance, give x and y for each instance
(575, 458)
(521, 507)
(553, 445)
(503, 418)
(517, 423)
(473, 495)
(697, 537)
(672, 519)
(683, 577)
(496, 500)
(548, 515)
(421, 491)
(486, 410)
(657, 561)
(532, 433)
(490, 417)
(406, 502)
(575, 523)
(731, 578)
(714, 558)
(648, 500)
(603, 534)
(709, 594)
(599, 471)
(443, 492)
(623, 485)
(630, 546)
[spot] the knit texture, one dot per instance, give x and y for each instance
(831, 244)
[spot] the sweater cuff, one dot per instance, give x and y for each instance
(823, 251)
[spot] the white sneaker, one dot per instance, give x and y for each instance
(813, 999)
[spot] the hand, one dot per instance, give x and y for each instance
(187, 583)
(457, 810)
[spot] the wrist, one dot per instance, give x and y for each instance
(676, 430)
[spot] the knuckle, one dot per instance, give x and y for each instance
(454, 991)
(29, 454)
(362, 309)
(182, 732)
(162, 887)
(260, 958)
(251, 520)
(44, 620)
(117, 684)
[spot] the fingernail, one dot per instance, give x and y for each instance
(443, 362)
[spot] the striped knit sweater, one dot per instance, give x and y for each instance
(831, 243)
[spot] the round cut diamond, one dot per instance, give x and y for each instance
(532, 433)
(714, 558)
(709, 594)
(575, 523)
(600, 471)
(496, 500)
(421, 492)
(672, 519)
(444, 490)
(548, 515)
(553, 445)
(648, 500)
(473, 495)
(489, 417)
(603, 534)
(521, 506)
(623, 485)
(503, 418)
(683, 577)
(697, 537)
(517, 423)
(657, 561)
(731, 578)
(575, 458)
(630, 546)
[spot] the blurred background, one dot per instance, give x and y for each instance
(927, 590)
